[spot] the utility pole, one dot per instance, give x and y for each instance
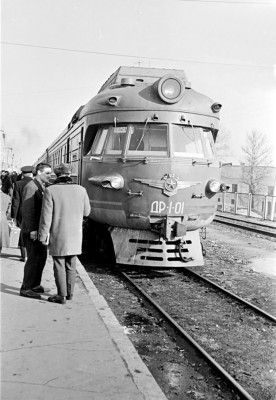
(273, 201)
(8, 154)
(2, 138)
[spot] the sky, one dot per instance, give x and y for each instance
(56, 54)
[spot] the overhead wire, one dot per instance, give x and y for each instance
(135, 56)
(229, 2)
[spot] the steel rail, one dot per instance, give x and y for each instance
(246, 225)
(237, 217)
(238, 298)
(237, 387)
(227, 219)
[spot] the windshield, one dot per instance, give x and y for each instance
(192, 142)
(116, 140)
(134, 140)
(148, 140)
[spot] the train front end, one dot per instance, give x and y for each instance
(149, 165)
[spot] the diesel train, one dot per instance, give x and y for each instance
(143, 148)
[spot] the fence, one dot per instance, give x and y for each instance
(251, 205)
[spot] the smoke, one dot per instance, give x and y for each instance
(31, 136)
(27, 145)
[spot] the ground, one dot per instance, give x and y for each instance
(243, 343)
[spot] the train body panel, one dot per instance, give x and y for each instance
(169, 191)
(143, 148)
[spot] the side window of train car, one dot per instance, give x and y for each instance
(148, 140)
(187, 141)
(75, 147)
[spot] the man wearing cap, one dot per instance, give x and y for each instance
(64, 205)
(30, 211)
(27, 176)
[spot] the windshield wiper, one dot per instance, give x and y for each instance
(143, 135)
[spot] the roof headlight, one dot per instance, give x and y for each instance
(170, 88)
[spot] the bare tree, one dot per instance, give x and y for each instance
(222, 144)
(257, 157)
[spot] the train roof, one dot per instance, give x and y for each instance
(148, 75)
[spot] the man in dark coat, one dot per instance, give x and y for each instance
(13, 177)
(37, 253)
(65, 203)
(27, 173)
(6, 182)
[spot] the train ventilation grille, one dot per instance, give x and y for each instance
(144, 241)
(162, 251)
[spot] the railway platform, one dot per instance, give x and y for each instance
(66, 352)
(245, 218)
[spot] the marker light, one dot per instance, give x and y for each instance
(170, 88)
(224, 187)
(112, 100)
(216, 107)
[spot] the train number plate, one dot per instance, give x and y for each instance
(159, 207)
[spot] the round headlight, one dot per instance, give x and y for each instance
(170, 88)
(117, 182)
(213, 186)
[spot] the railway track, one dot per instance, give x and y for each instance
(253, 226)
(239, 390)
(231, 295)
(203, 324)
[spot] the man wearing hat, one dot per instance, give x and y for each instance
(64, 205)
(27, 176)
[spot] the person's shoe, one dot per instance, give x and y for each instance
(70, 297)
(57, 299)
(29, 293)
(40, 289)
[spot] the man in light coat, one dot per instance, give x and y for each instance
(64, 206)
